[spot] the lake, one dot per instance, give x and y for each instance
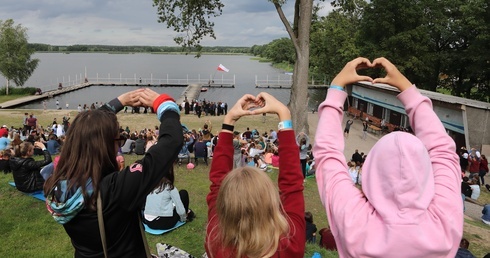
(71, 68)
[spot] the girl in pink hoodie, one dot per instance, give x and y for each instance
(410, 204)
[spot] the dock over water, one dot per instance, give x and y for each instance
(27, 99)
(192, 91)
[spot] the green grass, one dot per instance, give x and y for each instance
(4, 98)
(28, 229)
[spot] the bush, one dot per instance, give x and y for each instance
(18, 91)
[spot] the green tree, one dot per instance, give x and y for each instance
(193, 18)
(15, 55)
(280, 50)
(395, 29)
(333, 43)
(466, 68)
(436, 43)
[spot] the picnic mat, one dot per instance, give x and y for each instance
(162, 231)
(38, 194)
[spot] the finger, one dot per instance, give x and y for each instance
(381, 61)
(361, 61)
(365, 78)
(248, 98)
(382, 80)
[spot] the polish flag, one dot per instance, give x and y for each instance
(222, 68)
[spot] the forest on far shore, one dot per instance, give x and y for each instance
(135, 49)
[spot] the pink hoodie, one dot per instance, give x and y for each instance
(412, 205)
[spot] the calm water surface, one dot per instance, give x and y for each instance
(66, 68)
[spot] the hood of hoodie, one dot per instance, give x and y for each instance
(397, 178)
(64, 203)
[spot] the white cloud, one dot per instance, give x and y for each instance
(129, 22)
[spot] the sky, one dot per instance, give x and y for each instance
(135, 22)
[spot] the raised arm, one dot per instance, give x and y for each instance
(429, 129)
(331, 174)
(223, 152)
(290, 179)
(337, 191)
(137, 180)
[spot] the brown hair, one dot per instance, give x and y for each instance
(92, 153)
(166, 181)
(22, 149)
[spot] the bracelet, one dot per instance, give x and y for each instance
(228, 127)
(167, 106)
(286, 124)
(336, 87)
(160, 99)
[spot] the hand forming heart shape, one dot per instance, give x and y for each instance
(349, 74)
(260, 104)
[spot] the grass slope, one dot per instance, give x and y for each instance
(27, 229)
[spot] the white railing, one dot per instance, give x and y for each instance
(120, 79)
(284, 80)
(280, 80)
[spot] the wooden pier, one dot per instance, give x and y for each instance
(45, 95)
(192, 91)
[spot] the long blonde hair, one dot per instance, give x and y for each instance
(251, 218)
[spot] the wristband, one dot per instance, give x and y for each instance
(286, 124)
(162, 98)
(228, 127)
(167, 106)
(336, 87)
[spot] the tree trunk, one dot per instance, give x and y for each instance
(298, 103)
(7, 89)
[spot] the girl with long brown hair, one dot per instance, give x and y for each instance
(88, 167)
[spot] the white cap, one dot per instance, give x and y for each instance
(465, 155)
(478, 155)
(4, 126)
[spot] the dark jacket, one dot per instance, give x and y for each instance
(139, 146)
(123, 195)
(26, 172)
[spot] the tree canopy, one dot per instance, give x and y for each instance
(439, 45)
(15, 55)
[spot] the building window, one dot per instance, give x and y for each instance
(354, 102)
(404, 121)
(370, 108)
(386, 115)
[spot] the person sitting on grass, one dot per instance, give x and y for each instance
(25, 169)
(411, 183)
(310, 228)
(327, 240)
(259, 162)
(140, 145)
(166, 205)
(486, 214)
(53, 145)
(5, 156)
(463, 251)
(247, 217)
(475, 188)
